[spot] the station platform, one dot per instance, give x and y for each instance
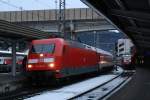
(9, 83)
(7, 77)
(137, 89)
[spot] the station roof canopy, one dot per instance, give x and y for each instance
(130, 16)
(13, 31)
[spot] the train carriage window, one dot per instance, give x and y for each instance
(43, 48)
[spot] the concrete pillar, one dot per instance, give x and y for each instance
(13, 58)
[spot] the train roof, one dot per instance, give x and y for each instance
(97, 49)
(77, 44)
(103, 52)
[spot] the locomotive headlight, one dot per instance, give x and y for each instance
(51, 65)
(47, 60)
(103, 62)
(41, 55)
(29, 66)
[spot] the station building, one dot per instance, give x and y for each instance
(124, 47)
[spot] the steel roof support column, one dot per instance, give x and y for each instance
(13, 70)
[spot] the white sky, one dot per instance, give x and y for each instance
(13, 5)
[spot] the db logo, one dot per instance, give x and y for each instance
(41, 60)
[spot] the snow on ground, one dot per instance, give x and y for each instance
(74, 89)
(102, 91)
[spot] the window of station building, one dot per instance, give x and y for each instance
(121, 44)
(120, 55)
(122, 49)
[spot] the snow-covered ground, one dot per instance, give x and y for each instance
(103, 90)
(73, 90)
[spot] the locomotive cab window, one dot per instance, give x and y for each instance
(43, 48)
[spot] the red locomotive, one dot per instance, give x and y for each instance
(61, 58)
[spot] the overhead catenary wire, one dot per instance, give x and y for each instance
(12, 5)
(42, 3)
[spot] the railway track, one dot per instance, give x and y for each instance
(95, 88)
(100, 87)
(105, 90)
(33, 90)
(21, 94)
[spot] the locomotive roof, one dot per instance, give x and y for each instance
(41, 41)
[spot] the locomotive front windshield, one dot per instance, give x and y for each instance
(42, 48)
